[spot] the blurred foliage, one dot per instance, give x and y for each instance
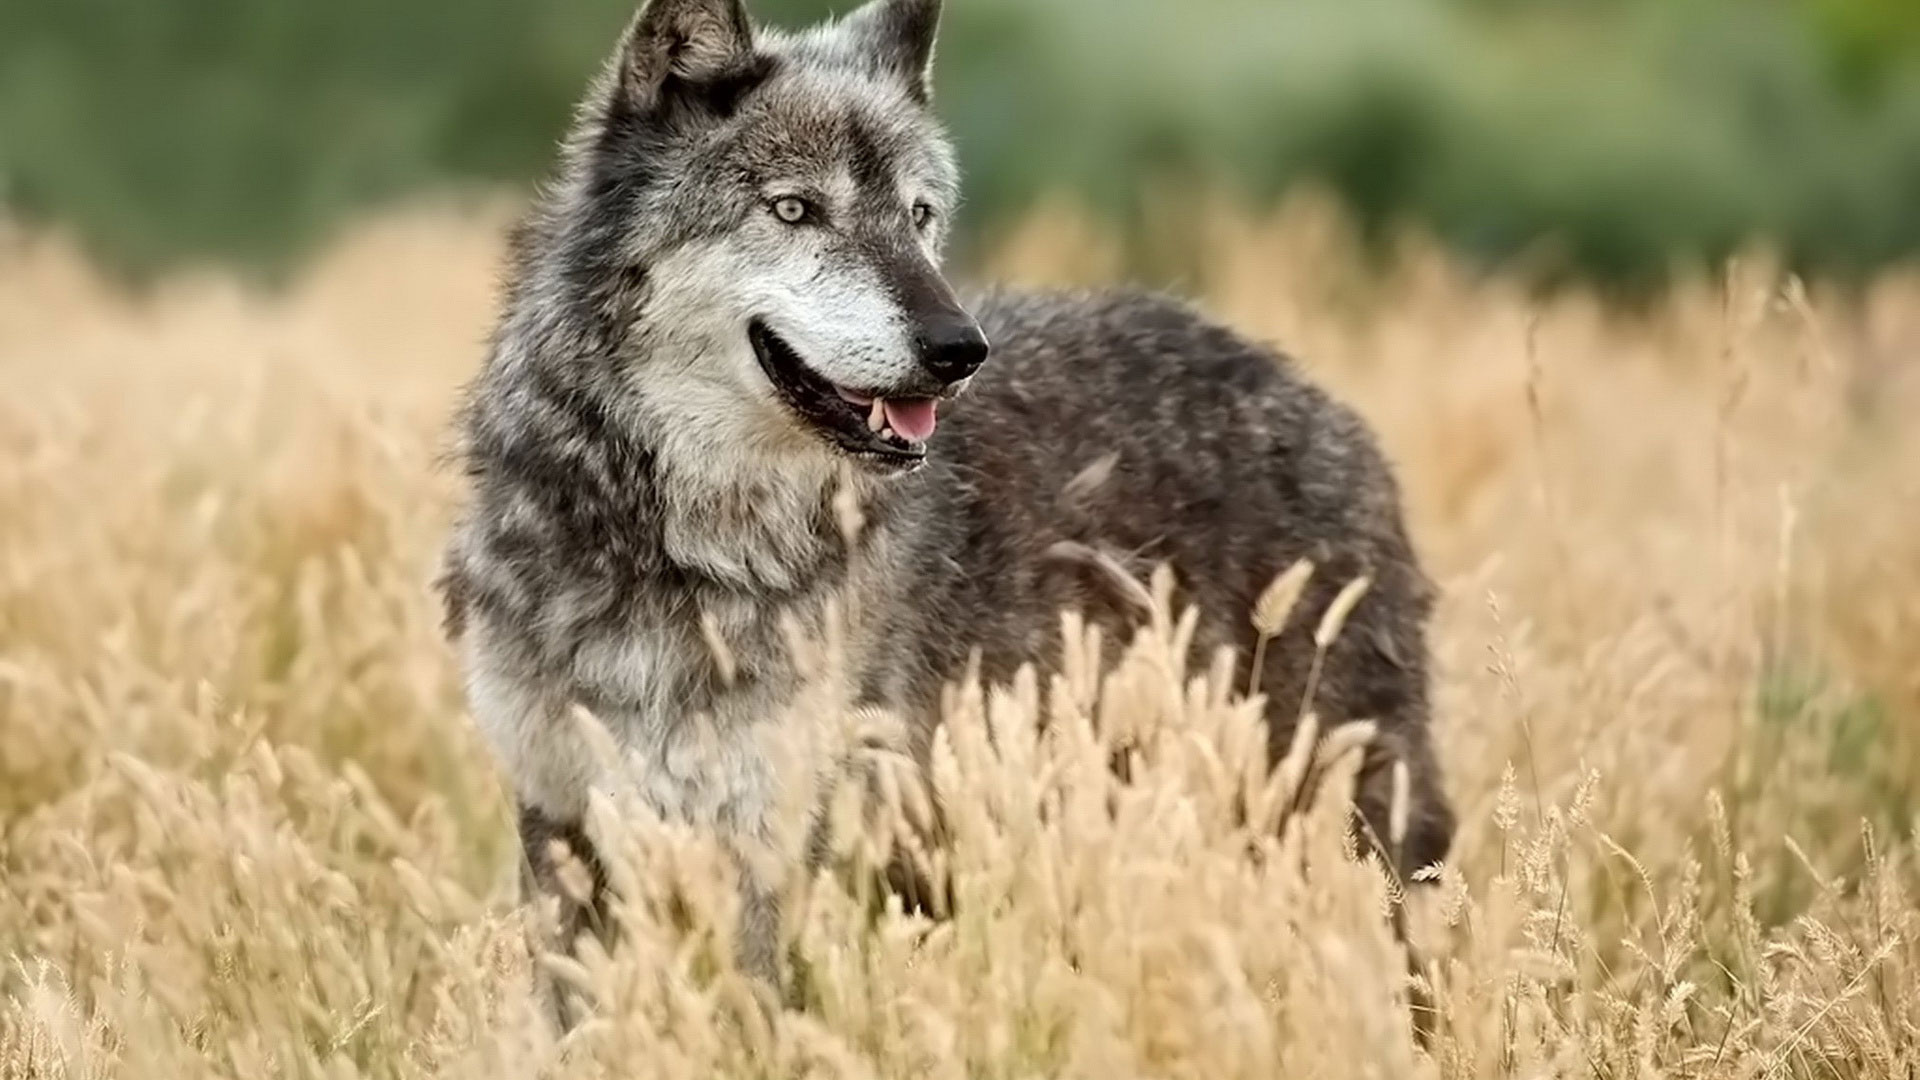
(1868, 39)
(1606, 138)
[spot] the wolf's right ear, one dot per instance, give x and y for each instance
(897, 36)
(691, 42)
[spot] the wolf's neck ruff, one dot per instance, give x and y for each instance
(768, 530)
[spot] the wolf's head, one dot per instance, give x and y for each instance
(748, 233)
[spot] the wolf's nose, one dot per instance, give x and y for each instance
(953, 349)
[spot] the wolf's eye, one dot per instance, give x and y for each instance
(922, 215)
(792, 209)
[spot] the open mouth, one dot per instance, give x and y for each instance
(861, 422)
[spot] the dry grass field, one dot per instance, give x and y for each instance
(245, 830)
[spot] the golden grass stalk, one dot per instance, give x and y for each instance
(1271, 611)
(1328, 631)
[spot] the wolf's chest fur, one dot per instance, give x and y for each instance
(690, 663)
(696, 750)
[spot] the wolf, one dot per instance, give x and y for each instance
(724, 315)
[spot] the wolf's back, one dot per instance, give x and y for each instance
(1113, 431)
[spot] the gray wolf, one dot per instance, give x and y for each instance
(725, 311)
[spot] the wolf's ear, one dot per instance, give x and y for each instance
(897, 36)
(695, 43)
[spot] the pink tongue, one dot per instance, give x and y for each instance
(914, 418)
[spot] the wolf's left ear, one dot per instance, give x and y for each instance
(898, 35)
(690, 42)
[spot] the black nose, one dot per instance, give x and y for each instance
(953, 348)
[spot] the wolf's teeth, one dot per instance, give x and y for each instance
(887, 433)
(877, 419)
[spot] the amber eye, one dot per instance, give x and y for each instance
(922, 215)
(792, 209)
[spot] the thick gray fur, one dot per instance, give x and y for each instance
(639, 488)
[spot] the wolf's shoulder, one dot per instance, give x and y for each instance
(1136, 338)
(1120, 345)
(1143, 318)
(1152, 378)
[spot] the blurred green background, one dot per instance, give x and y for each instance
(1605, 138)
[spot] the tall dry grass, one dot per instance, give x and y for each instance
(248, 833)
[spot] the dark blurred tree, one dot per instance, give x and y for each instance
(1868, 40)
(1619, 134)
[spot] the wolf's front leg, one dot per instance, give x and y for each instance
(559, 865)
(551, 767)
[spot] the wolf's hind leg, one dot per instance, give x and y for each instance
(1405, 819)
(1403, 815)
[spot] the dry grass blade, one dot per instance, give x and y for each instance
(1339, 611)
(1271, 611)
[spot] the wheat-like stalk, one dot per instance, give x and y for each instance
(1327, 632)
(1270, 614)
